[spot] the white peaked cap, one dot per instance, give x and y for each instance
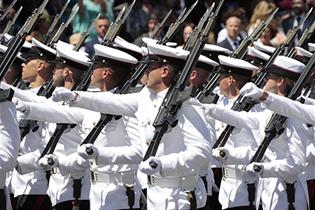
(237, 66)
(237, 63)
(177, 54)
(287, 67)
(69, 46)
(26, 44)
(207, 60)
(144, 51)
(216, 48)
(206, 63)
(264, 48)
(164, 51)
(311, 47)
(3, 49)
(258, 54)
(148, 40)
(114, 54)
(72, 58)
(63, 44)
(128, 47)
(302, 52)
(40, 45)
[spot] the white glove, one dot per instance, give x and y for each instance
(220, 153)
(27, 163)
(21, 106)
(251, 90)
(48, 162)
(252, 172)
(88, 151)
(63, 94)
(151, 166)
(75, 165)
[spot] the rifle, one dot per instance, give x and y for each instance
(17, 42)
(196, 32)
(11, 23)
(303, 39)
(85, 34)
(63, 26)
(108, 40)
(144, 63)
(172, 102)
(160, 24)
(239, 53)
(276, 125)
(53, 25)
(61, 127)
(123, 89)
(7, 10)
(245, 104)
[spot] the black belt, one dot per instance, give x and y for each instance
(3, 204)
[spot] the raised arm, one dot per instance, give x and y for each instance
(290, 108)
(237, 119)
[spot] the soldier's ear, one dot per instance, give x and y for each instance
(40, 66)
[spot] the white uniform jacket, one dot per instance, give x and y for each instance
(118, 143)
(284, 160)
(33, 183)
(60, 185)
(9, 141)
(182, 151)
(233, 190)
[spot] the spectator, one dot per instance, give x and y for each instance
(233, 39)
(88, 10)
(101, 25)
(187, 30)
(262, 10)
(237, 12)
(152, 23)
(296, 17)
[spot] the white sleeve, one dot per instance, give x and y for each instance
(131, 153)
(108, 103)
(290, 108)
(9, 136)
(280, 168)
(24, 95)
(54, 113)
(239, 155)
(197, 152)
(237, 119)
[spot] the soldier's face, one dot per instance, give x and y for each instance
(153, 75)
(58, 77)
(199, 78)
(29, 70)
(272, 83)
(97, 76)
(224, 83)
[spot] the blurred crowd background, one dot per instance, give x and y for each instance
(237, 18)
